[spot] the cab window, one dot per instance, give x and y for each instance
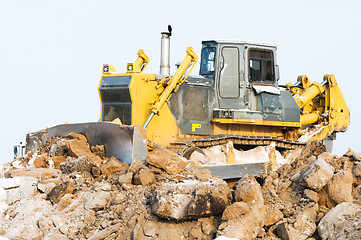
(207, 64)
(261, 66)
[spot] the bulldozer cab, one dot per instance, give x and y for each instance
(236, 68)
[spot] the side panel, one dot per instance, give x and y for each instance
(290, 109)
(270, 106)
(278, 107)
(192, 107)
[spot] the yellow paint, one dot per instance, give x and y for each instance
(195, 126)
(256, 122)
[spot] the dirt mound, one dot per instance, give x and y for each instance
(69, 190)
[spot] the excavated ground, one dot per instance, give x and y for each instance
(67, 190)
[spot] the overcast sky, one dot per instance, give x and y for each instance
(51, 52)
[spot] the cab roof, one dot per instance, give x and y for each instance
(243, 42)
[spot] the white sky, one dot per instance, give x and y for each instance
(51, 52)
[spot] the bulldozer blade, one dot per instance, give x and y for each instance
(124, 142)
(238, 170)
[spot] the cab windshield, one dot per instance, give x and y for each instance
(207, 63)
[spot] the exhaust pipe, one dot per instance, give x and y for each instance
(165, 52)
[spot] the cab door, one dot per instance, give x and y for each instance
(230, 78)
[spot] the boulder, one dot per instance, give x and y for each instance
(97, 201)
(190, 199)
(81, 165)
(353, 154)
(42, 162)
(39, 173)
(340, 187)
(245, 226)
(78, 136)
(317, 175)
(341, 222)
(126, 178)
(286, 232)
(144, 177)
(203, 175)
(112, 166)
(15, 189)
(60, 190)
(46, 186)
(312, 195)
(272, 216)
(78, 148)
(169, 161)
(65, 201)
(356, 170)
(98, 150)
(235, 210)
(247, 189)
(357, 195)
(57, 161)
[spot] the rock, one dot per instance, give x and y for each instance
(39, 173)
(317, 175)
(235, 210)
(246, 226)
(341, 222)
(356, 170)
(203, 175)
(97, 201)
(340, 187)
(144, 177)
(247, 189)
(105, 232)
(13, 190)
(312, 195)
(58, 148)
(357, 195)
(150, 229)
(286, 232)
(77, 136)
(106, 187)
(326, 156)
(126, 178)
(45, 224)
(195, 233)
(65, 201)
(57, 161)
(112, 166)
(46, 186)
(353, 154)
(190, 199)
(272, 216)
(136, 166)
(78, 148)
(81, 165)
(305, 221)
(98, 150)
(55, 235)
(119, 198)
(42, 162)
(60, 190)
(167, 160)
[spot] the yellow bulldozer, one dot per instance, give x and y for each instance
(236, 98)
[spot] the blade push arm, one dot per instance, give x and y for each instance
(169, 85)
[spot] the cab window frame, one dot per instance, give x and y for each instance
(262, 63)
(203, 68)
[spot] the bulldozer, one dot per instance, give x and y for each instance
(236, 98)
